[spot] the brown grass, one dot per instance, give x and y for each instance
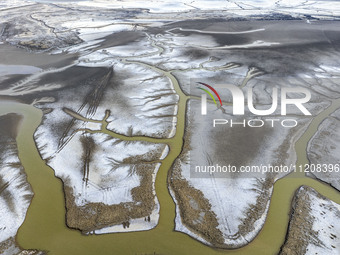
(300, 231)
(94, 216)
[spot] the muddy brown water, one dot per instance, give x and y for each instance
(44, 227)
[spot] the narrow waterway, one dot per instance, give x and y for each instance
(45, 229)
